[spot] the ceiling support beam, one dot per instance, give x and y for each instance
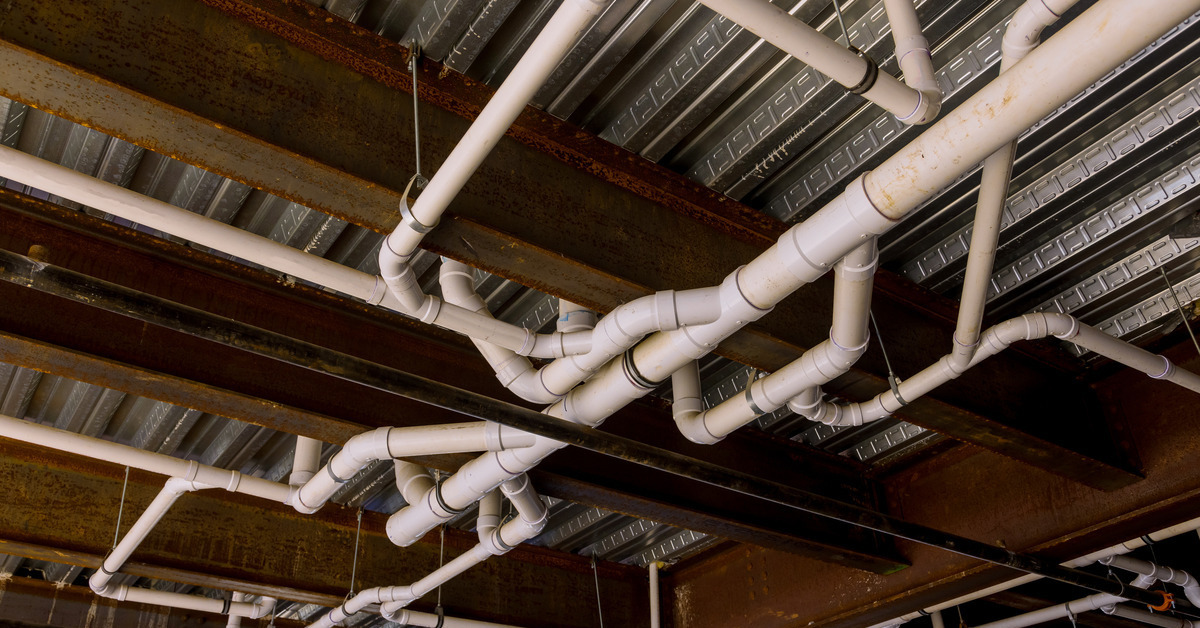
(981, 495)
(281, 96)
(57, 336)
(214, 539)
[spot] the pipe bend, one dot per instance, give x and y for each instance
(694, 429)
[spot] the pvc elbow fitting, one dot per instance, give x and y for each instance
(693, 428)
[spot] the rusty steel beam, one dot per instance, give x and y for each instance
(32, 603)
(227, 85)
(978, 494)
(62, 508)
(218, 380)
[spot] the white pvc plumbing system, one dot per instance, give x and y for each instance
(642, 343)
(1100, 556)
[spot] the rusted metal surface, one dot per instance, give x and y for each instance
(227, 85)
(216, 379)
(218, 540)
(977, 494)
(30, 603)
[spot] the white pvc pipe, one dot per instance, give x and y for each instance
(536, 65)
(412, 480)
(617, 332)
(405, 617)
(112, 563)
(655, 613)
(1081, 53)
(574, 317)
(488, 518)
(1058, 611)
(1192, 525)
(914, 56)
(97, 449)
(101, 581)
(997, 339)
(1146, 617)
(1191, 588)
(144, 210)
(125, 593)
(1021, 37)
(235, 621)
(306, 461)
(515, 372)
(387, 443)
(1101, 39)
(848, 336)
(828, 57)
(532, 516)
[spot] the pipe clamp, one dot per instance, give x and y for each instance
(437, 494)
(406, 216)
(635, 376)
(869, 78)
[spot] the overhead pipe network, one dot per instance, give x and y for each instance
(597, 369)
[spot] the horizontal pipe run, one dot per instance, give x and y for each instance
(1058, 611)
(144, 210)
(1125, 547)
(1191, 588)
(388, 443)
(68, 284)
(405, 617)
(116, 453)
(1146, 617)
(997, 339)
(853, 71)
(139, 595)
